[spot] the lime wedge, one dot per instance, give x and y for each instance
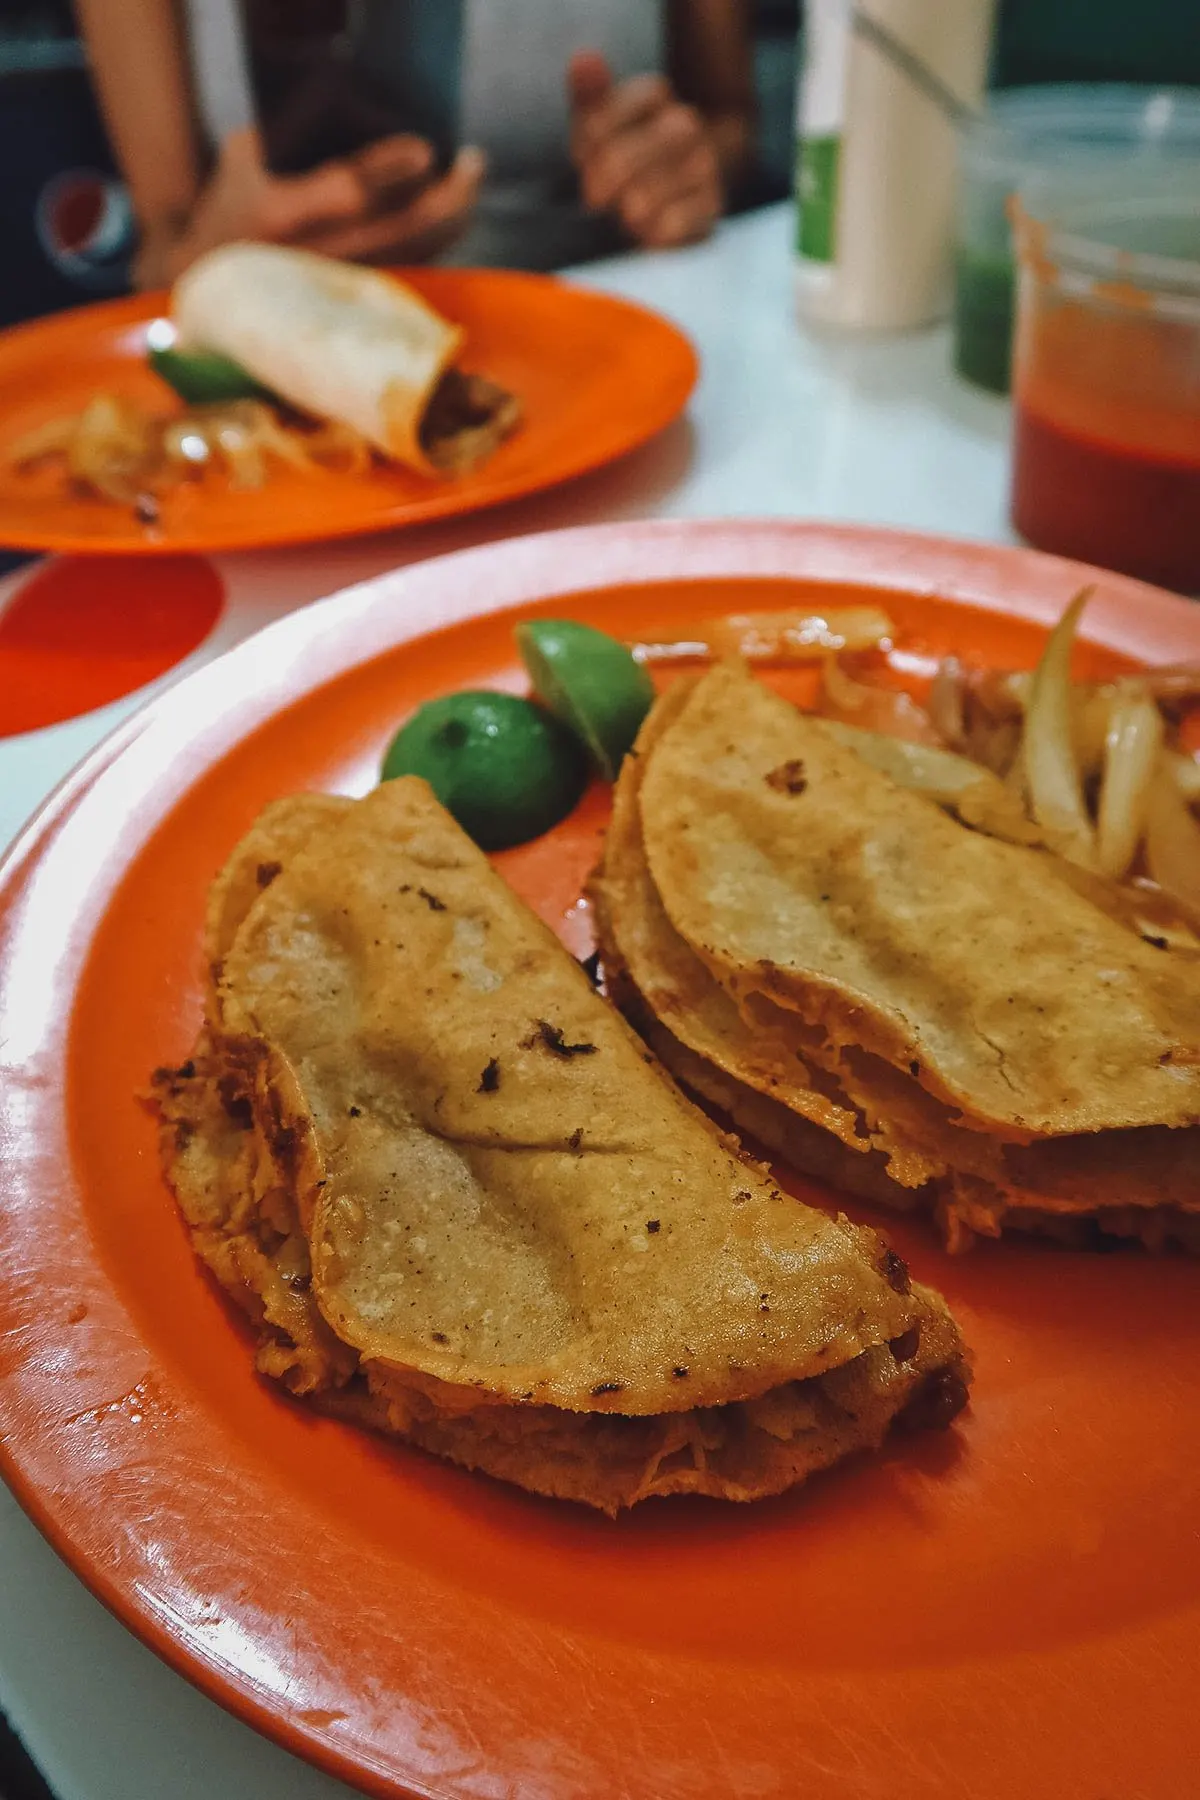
(503, 767)
(590, 682)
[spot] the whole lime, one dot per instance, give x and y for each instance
(506, 769)
(591, 682)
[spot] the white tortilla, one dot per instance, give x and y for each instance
(336, 340)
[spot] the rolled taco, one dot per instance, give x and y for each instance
(346, 343)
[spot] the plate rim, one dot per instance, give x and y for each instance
(703, 549)
(443, 505)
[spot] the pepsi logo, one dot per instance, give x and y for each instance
(86, 227)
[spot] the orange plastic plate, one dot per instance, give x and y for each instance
(596, 376)
(1011, 1608)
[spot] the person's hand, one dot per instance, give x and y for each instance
(642, 154)
(379, 205)
(404, 221)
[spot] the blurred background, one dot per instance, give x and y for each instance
(69, 232)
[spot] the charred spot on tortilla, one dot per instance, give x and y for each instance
(894, 1270)
(607, 1387)
(905, 1347)
(236, 1103)
(653, 1226)
(551, 1038)
(171, 1079)
(938, 1401)
(431, 900)
(266, 872)
(789, 777)
(354, 1112)
(489, 1081)
(575, 1141)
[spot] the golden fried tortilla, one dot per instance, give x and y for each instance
(789, 987)
(447, 1181)
(875, 915)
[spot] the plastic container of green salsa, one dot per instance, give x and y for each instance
(1028, 135)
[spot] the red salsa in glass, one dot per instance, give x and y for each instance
(1107, 502)
(1106, 448)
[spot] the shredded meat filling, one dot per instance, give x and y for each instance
(467, 416)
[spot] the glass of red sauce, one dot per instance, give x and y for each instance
(1106, 450)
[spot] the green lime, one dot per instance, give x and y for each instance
(503, 767)
(590, 682)
(201, 377)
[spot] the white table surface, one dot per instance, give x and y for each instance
(784, 424)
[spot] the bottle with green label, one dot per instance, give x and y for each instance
(884, 90)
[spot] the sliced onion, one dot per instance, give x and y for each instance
(1173, 681)
(1091, 719)
(979, 798)
(1185, 772)
(51, 439)
(125, 453)
(1131, 763)
(238, 444)
(947, 694)
(185, 445)
(925, 768)
(887, 710)
(277, 440)
(338, 446)
(116, 449)
(1008, 695)
(1051, 771)
(1140, 905)
(1004, 693)
(1173, 842)
(766, 638)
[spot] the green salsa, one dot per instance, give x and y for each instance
(984, 307)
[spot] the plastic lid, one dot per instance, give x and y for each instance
(1135, 242)
(1026, 129)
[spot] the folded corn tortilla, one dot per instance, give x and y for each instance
(975, 1034)
(347, 343)
(463, 1205)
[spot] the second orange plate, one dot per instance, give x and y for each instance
(1011, 1608)
(596, 376)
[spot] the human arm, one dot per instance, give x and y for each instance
(139, 68)
(382, 204)
(663, 153)
(710, 62)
